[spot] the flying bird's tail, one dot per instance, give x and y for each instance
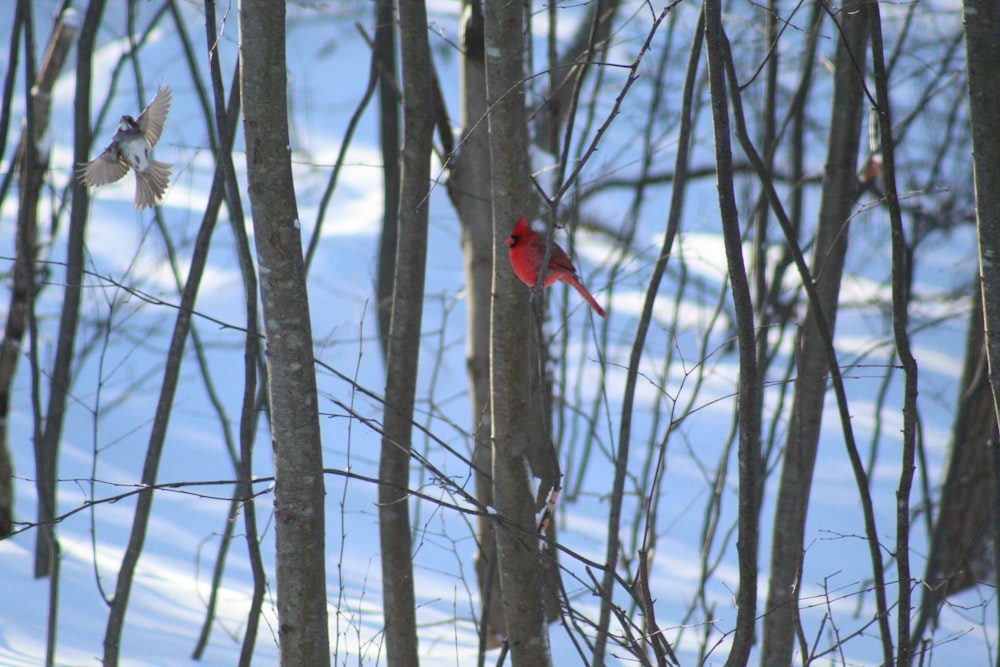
(151, 184)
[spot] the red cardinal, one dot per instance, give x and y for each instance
(527, 250)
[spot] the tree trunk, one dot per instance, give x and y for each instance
(388, 129)
(47, 451)
(34, 163)
(298, 460)
(839, 189)
(963, 544)
(161, 420)
(982, 44)
(403, 348)
(749, 397)
(469, 188)
(517, 544)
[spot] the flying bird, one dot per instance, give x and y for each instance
(527, 250)
(132, 147)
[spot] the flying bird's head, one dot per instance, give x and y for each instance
(127, 123)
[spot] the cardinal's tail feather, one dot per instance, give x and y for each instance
(587, 296)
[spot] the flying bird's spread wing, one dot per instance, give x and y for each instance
(107, 167)
(151, 120)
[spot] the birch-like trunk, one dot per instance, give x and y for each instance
(840, 186)
(298, 459)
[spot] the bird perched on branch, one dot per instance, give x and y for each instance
(527, 251)
(132, 147)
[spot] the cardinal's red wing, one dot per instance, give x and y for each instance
(561, 261)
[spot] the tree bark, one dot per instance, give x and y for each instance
(47, 451)
(161, 420)
(901, 278)
(469, 187)
(33, 161)
(298, 460)
(838, 195)
(517, 543)
(982, 44)
(226, 118)
(17, 309)
(403, 344)
(33, 158)
(963, 543)
(749, 396)
(388, 129)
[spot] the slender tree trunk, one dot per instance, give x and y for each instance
(47, 451)
(298, 459)
(34, 163)
(157, 438)
(839, 189)
(982, 45)
(17, 309)
(403, 350)
(901, 279)
(749, 388)
(517, 543)
(226, 117)
(388, 129)
(963, 544)
(469, 187)
(161, 420)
